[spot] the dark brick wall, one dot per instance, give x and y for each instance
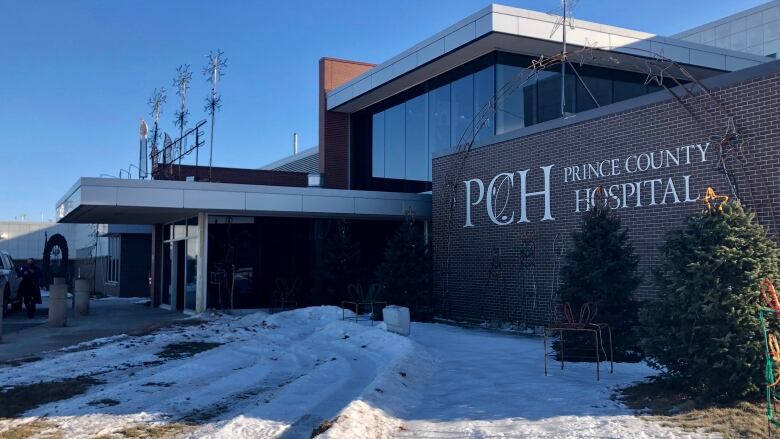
(334, 126)
(508, 293)
(235, 175)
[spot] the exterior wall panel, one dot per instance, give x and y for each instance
(486, 281)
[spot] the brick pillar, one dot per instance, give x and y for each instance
(334, 126)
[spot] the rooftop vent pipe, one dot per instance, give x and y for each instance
(295, 143)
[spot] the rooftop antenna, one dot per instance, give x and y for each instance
(563, 21)
(213, 72)
(156, 102)
(181, 83)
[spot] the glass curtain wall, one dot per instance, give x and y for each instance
(440, 114)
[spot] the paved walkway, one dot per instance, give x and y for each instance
(23, 337)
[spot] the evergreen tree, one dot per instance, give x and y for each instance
(341, 264)
(601, 269)
(405, 272)
(703, 328)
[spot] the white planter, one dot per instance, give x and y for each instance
(396, 319)
(81, 299)
(58, 305)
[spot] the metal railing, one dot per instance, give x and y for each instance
(168, 160)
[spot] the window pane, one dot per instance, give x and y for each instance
(549, 95)
(439, 119)
(395, 140)
(192, 226)
(548, 90)
(627, 85)
(416, 138)
(599, 83)
(462, 110)
(378, 145)
(510, 114)
(484, 88)
(179, 230)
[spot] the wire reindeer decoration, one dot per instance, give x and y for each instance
(527, 271)
(496, 273)
(558, 251)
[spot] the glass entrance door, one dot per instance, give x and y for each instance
(190, 273)
(180, 265)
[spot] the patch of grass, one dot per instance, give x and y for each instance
(105, 402)
(157, 384)
(20, 361)
(323, 427)
(673, 408)
(158, 326)
(37, 428)
(185, 349)
(14, 401)
(151, 431)
(205, 415)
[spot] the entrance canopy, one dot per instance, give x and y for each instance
(124, 201)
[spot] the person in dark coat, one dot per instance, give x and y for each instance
(30, 287)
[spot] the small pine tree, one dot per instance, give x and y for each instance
(405, 272)
(601, 269)
(703, 329)
(341, 264)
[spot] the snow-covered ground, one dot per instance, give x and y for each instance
(282, 375)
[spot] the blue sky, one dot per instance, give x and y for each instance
(75, 76)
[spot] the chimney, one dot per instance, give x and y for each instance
(295, 143)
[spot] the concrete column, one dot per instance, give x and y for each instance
(58, 299)
(81, 291)
(202, 267)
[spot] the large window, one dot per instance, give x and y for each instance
(417, 138)
(439, 119)
(395, 142)
(484, 89)
(462, 113)
(378, 145)
(443, 113)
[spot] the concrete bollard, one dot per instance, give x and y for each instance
(81, 296)
(58, 304)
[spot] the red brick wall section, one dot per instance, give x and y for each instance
(511, 292)
(237, 176)
(334, 126)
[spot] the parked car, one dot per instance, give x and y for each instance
(9, 282)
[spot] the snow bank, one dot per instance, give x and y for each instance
(263, 376)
